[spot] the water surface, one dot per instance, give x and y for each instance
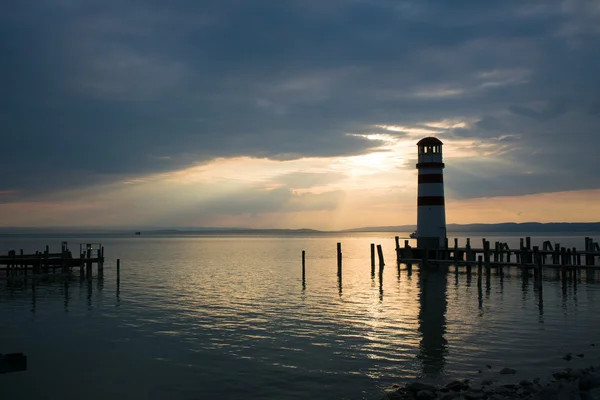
(195, 317)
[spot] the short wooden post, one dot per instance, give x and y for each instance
(23, 264)
(469, 262)
(118, 269)
(500, 252)
(407, 252)
(101, 260)
(591, 250)
(468, 249)
(381, 261)
(63, 260)
(81, 262)
(303, 265)
(339, 259)
(372, 258)
(536, 251)
(479, 265)
(397, 240)
(586, 249)
(38, 267)
(10, 261)
(556, 254)
(88, 264)
(539, 273)
(486, 253)
(456, 250)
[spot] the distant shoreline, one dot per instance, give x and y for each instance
(503, 228)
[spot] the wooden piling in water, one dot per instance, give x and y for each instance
(101, 261)
(372, 258)
(468, 249)
(339, 259)
(397, 240)
(455, 250)
(381, 261)
(303, 265)
(540, 271)
(486, 252)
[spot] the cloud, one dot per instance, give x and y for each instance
(98, 93)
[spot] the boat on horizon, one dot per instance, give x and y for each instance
(413, 235)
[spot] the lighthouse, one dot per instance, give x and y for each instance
(431, 209)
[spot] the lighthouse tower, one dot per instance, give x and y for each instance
(431, 213)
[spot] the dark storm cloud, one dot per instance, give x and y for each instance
(92, 90)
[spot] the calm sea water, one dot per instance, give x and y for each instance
(198, 317)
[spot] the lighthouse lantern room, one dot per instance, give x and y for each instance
(431, 211)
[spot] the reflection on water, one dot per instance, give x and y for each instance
(432, 319)
(190, 318)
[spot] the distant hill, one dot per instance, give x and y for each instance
(503, 227)
(532, 227)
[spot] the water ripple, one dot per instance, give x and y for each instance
(195, 317)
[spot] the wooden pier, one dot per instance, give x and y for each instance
(501, 255)
(550, 256)
(45, 262)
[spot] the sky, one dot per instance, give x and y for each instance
(296, 113)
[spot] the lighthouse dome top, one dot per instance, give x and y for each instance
(430, 141)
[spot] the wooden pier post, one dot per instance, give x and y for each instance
(38, 265)
(540, 275)
(381, 261)
(455, 250)
(497, 251)
(586, 249)
(372, 259)
(590, 259)
(522, 258)
(397, 240)
(536, 251)
(479, 265)
(82, 257)
(118, 269)
(556, 254)
(101, 260)
(88, 263)
(486, 253)
(468, 249)
(501, 251)
(303, 265)
(339, 259)
(23, 264)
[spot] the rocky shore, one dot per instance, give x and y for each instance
(569, 384)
